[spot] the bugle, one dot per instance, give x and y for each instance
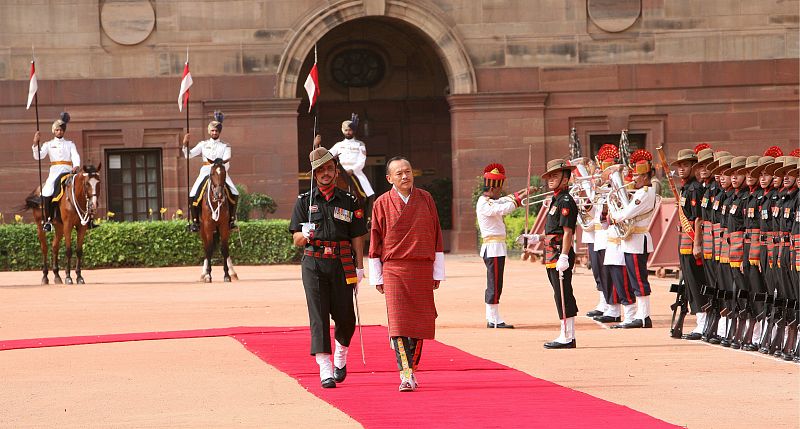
(536, 199)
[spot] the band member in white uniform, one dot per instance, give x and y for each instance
(64, 159)
(639, 244)
(352, 155)
(490, 209)
(211, 150)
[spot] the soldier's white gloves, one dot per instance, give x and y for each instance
(359, 276)
(532, 238)
(563, 263)
(308, 230)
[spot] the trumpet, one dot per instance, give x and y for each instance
(536, 199)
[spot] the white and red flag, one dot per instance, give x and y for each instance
(312, 86)
(186, 82)
(33, 87)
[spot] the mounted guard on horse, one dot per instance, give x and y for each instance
(67, 198)
(212, 149)
(352, 156)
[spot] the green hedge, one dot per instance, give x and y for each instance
(151, 244)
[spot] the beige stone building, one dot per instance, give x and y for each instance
(452, 84)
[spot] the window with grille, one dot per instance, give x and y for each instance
(134, 183)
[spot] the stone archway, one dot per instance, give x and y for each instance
(425, 17)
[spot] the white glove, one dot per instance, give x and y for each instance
(308, 230)
(359, 276)
(532, 238)
(563, 263)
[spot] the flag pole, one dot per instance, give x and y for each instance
(188, 190)
(314, 137)
(38, 144)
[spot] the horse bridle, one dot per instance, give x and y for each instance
(216, 192)
(89, 196)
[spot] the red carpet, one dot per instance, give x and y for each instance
(456, 388)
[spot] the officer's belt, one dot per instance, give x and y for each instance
(495, 239)
(640, 230)
(61, 163)
(334, 250)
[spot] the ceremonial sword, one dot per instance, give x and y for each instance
(360, 333)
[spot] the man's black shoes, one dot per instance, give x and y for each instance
(339, 374)
(556, 345)
(47, 227)
(692, 336)
(635, 323)
(608, 319)
(501, 325)
(328, 383)
(193, 227)
(594, 313)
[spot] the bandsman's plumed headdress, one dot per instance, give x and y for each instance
(61, 122)
(494, 175)
(701, 146)
(607, 155)
(216, 123)
(773, 151)
(352, 124)
(641, 162)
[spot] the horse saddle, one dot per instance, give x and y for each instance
(59, 185)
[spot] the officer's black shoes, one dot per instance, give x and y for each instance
(339, 374)
(714, 340)
(725, 342)
(608, 319)
(692, 336)
(193, 227)
(232, 226)
(47, 227)
(736, 345)
(556, 345)
(594, 313)
(501, 325)
(328, 383)
(750, 347)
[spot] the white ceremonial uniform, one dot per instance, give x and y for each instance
(211, 149)
(490, 221)
(600, 228)
(614, 254)
(353, 155)
(641, 208)
(587, 234)
(63, 157)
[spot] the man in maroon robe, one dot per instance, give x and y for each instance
(406, 264)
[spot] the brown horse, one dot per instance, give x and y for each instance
(77, 209)
(347, 182)
(214, 221)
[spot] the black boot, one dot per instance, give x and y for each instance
(47, 225)
(233, 202)
(195, 213)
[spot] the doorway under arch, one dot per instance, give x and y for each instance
(389, 73)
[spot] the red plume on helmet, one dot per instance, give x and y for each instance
(699, 147)
(493, 175)
(608, 151)
(795, 153)
(641, 161)
(773, 151)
